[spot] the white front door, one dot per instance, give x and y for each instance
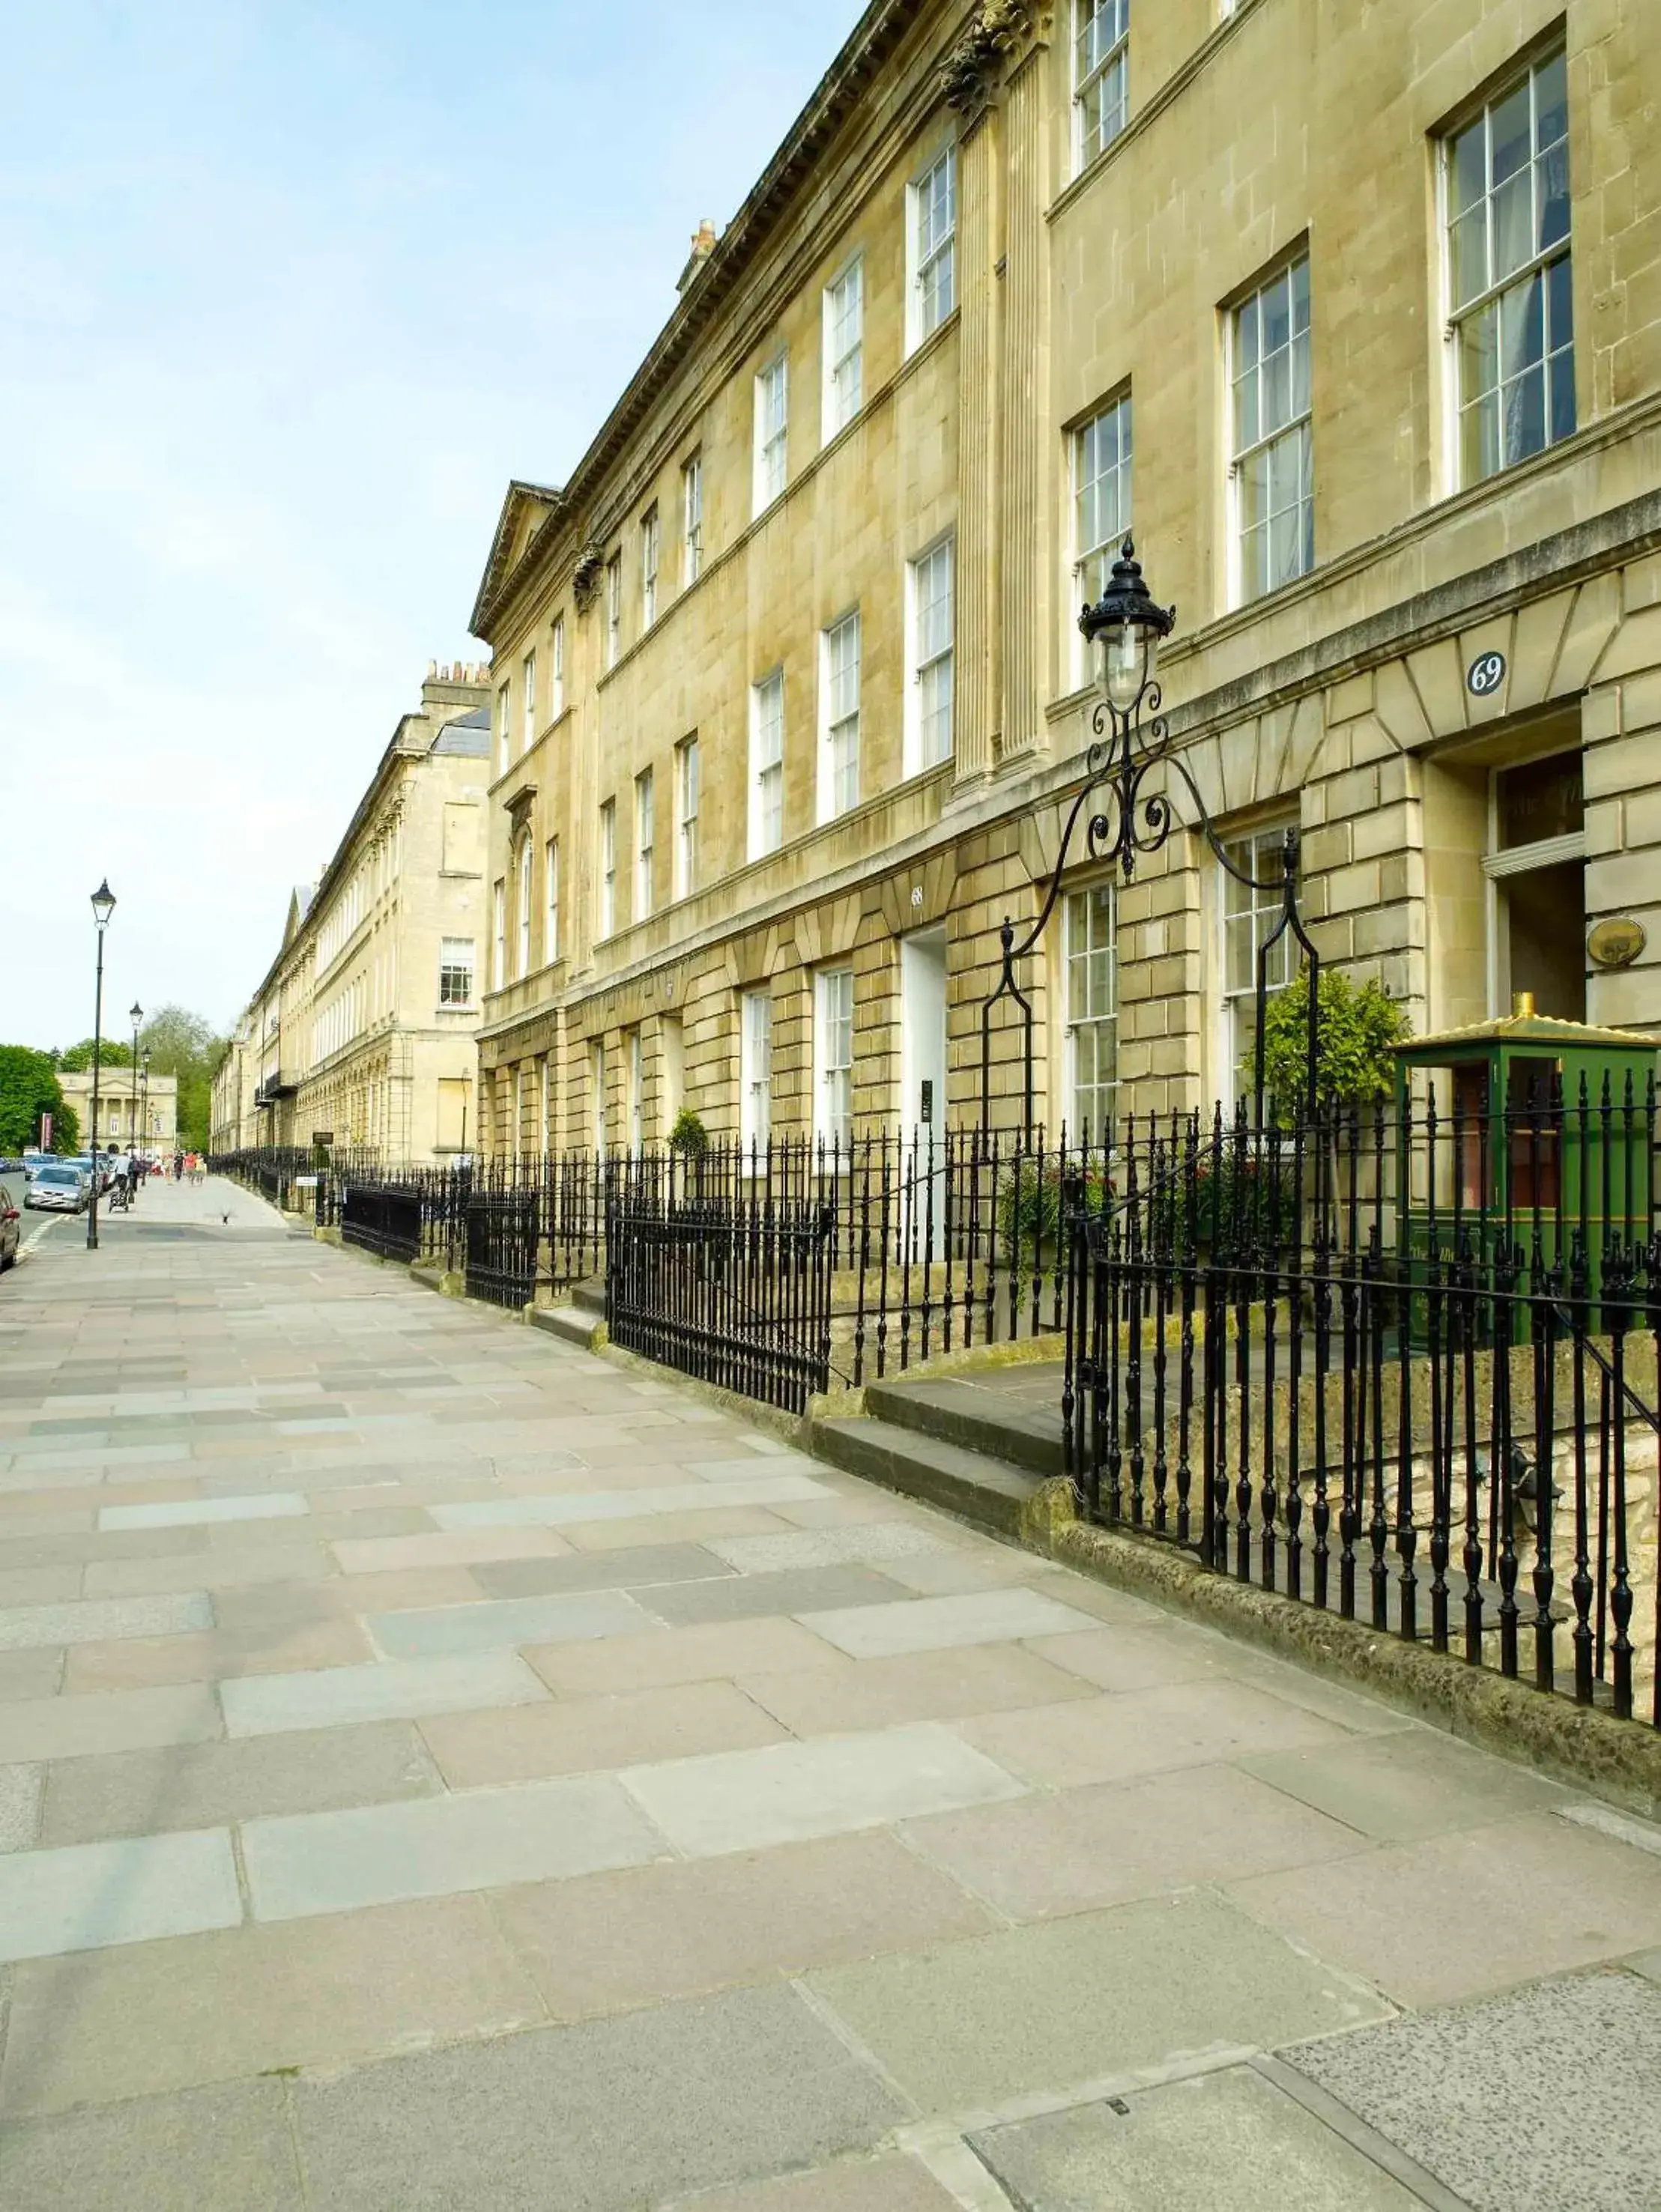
(922, 1032)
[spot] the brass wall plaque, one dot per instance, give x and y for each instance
(1615, 942)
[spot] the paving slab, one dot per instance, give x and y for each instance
(705, 1653)
(922, 1685)
(21, 1789)
(287, 1605)
(315, 1863)
(493, 1626)
(36, 1672)
(868, 1544)
(265, 1505)
(879, 2185)
(228, 2147)
(30, 1586)
(715, 2090)
(931, 1624)
(555, 1509)
(799, 1590)
(156, 2016)
(128, 1891)
(1526, 2099)
(651, 1529)
(206, 1785)
(139, 1663)
(610, 1942)
(1079, 1849)
(111, 1720)
(636, 1567)
(1229, 2141)
(1402, 1787)
(96, 1621)
(211, 1570)
(1459, 1916)
(583, 1734)
(784, 1793)
(1114, 1738)
(388, 1689)
(972, 2024)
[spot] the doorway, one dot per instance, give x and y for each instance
(922, 1032)
(1537, 871)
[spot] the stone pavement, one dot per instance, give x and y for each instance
(439, 1768)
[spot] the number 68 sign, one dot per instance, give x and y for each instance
(1485, 675)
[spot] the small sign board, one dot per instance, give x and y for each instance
(304, 1182)
(1485, 675)
(323, 1136)
(928, 1116)
(1615, 942)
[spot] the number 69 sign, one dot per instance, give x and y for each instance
(1485, 674)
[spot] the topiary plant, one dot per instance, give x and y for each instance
(689, 1136)
(1357, 1028)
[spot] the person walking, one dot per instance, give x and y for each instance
(134, 1168)
(179, 1167)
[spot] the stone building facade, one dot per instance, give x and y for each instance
(1356, 320)
(141, 1113)
(364, 1025)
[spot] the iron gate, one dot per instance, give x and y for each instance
(503, 1232)
(383, 1218)
(735, 1291)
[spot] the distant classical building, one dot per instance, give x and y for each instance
(364, 1026)
(790, 696)
(144, 1113)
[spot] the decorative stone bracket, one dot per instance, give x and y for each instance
(970, 74)
(587, 576)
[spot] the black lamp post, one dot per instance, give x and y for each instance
(135, 1014)
(103, 906)
(1124, 630)
(144, 1104)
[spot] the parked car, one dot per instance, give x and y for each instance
(11, 1230)
(10, 1166)
(33, 1158)
(59, 1187)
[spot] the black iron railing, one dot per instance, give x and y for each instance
(1400, 1365)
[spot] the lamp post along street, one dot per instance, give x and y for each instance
(103, 905)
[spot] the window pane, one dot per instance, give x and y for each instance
(1551, 102)
(1468, 245)
(1513, 224)
(1467, 168)
(1479, 438)
(1509, 135)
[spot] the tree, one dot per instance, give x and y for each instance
(1357, 1027)
(181, 1045)
(78, 1061)
(28, 1088)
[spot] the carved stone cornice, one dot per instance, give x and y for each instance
(971, 73)
(587, 576)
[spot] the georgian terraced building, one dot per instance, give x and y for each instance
(1353, 314)
(364, 1025)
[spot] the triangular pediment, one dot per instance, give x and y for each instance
(524, 511)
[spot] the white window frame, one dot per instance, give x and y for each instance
(557, 669)
(1257, 852)
(691, 519)
(931, 291)
(1290, 439)
(613, 610)
(1107, 76)
(766, 808)
(1556, 361)
(931, 666)
(1076, 1019)
(504, 727)
(772, 464)
(645, 841)
(833, 1034)
(651, 546)
(839, 719)
(755, 1068)
(456, 957)
(843, 348)
(1102, 454)
(607, 917)
(528, 674)
(688, 769)
(597, 1096)
(499, 932)
(524, 901)
(551, 901)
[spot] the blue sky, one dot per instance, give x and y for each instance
(289, 291)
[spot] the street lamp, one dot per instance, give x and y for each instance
(1122, 630)
(135, 1014)
(103, 906)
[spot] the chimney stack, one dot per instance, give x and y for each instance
(704, 240)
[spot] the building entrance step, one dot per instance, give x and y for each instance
(1012, 1414)
(975, 1485)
